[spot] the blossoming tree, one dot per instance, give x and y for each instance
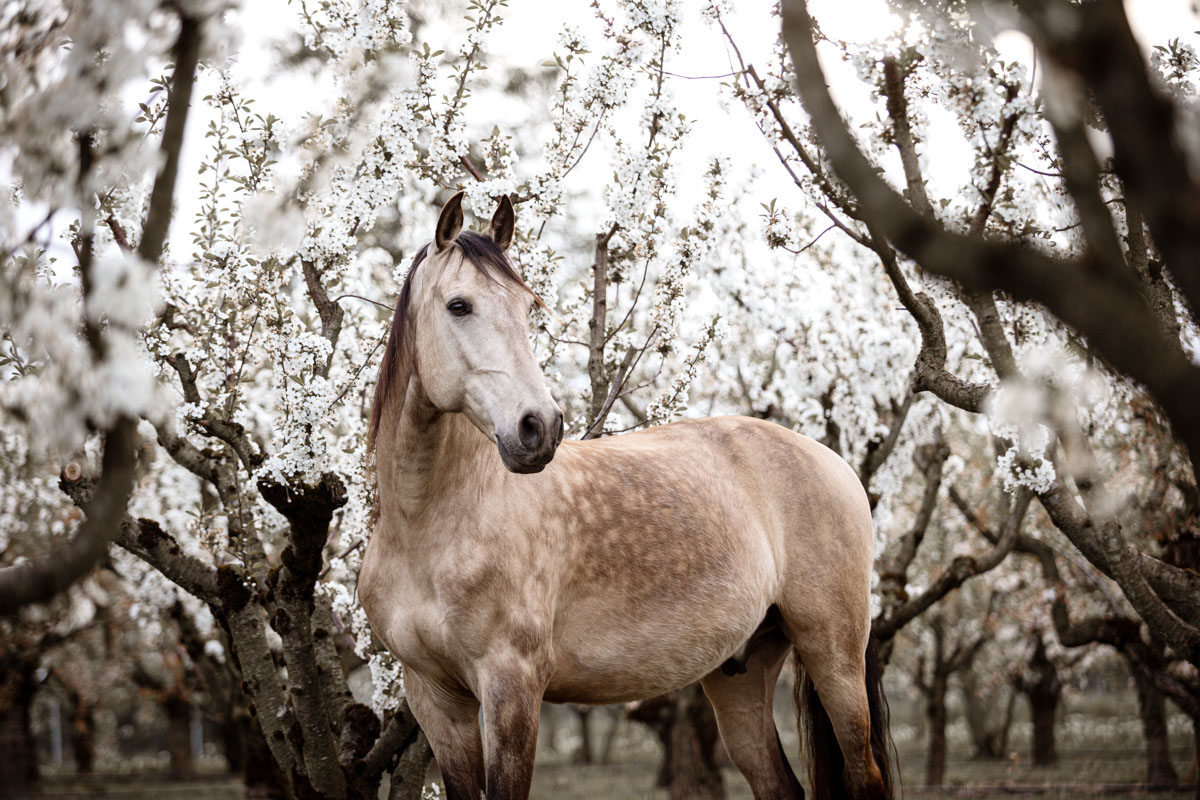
(200, 385)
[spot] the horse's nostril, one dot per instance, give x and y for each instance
(531, 431)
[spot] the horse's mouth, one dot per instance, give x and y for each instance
(520, 466)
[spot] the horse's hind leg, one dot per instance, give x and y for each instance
(833, 656)
(743, 705)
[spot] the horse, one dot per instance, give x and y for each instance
(509, 567)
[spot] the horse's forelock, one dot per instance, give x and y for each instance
(399, 357)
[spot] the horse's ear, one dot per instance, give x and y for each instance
(449, 223)
(503, 223)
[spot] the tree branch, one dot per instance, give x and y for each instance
(330, 312)
(597, 327)
(40, 580)
(1108, 308)
(960, 570)
(1094, 42)
(179, 98)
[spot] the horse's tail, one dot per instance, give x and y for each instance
(826, 765)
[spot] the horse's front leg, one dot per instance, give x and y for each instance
(512, 700)
(450, 721)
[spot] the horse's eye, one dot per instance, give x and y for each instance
(459, 308)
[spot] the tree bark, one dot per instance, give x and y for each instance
(18, 765)
(1152, 709)
(179, 734)
(935, 717)
(408, 778)
(989, 736)
(687, 727)
(1040, 684)
(694, 773)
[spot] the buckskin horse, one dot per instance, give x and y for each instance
(509, 567)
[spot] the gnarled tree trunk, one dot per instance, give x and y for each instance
(179, 733)
(1152, 708)
(935, 718)
(989, 730)
(687, 727)
(18, 764)
(1040, 684)
(83, 735)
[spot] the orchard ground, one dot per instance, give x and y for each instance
(1099, 740)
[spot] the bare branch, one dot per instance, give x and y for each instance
(877, 452)
(331, 313)
(897, 106)
(960, 570)
(597, 325)
(1094, 42)
(179, 98)
(894, 577)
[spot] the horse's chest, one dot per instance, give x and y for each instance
(454, 606)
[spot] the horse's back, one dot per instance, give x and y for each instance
(783, 481)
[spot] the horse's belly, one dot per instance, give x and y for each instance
(613, 656)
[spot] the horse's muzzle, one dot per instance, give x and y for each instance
(537, 440)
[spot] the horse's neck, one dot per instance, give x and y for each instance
(423, 456)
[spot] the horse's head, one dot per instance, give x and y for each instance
(468, 319)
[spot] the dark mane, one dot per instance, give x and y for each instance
(399, 358)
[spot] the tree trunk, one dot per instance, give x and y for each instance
(1153, 711)
(1043, 708)
(548, 726)
(935, 716)
(1040, 684)
(693, 739)
(179, 734)
(583, 755)
(408, 778)
(987, 738)
(261, 773)
(18, 764)
(687, 727)
(233, 732)
(610, 737)
(83, 736)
